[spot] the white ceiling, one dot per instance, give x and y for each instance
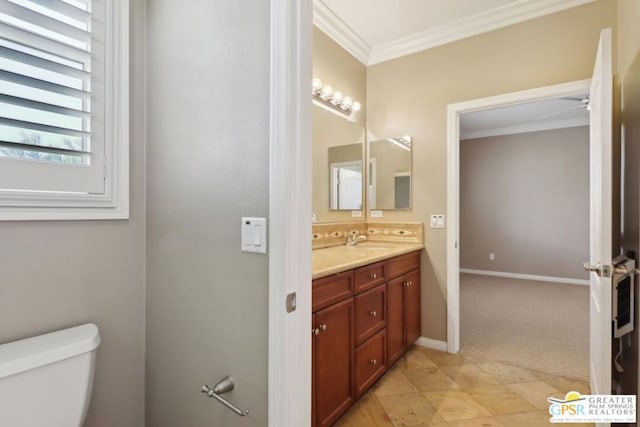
(526, 117)
(379, 30)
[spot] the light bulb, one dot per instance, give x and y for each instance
(336, 99)
(326, 92)
(316, 84)
(346, 103)
(356, 106)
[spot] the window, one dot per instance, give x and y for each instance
(63, 109)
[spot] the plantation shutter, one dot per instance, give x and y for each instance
(52, 95)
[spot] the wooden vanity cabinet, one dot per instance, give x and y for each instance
(364, 319)
(333, 348)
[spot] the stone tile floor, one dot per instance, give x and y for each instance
(429, 388)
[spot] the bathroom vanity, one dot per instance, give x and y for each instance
(366, 314)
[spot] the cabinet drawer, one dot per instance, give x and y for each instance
(331, 289)
(371, 361)
(370, 275)
(371, 312)
(403, 263)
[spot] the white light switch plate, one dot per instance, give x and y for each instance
(376, 214)
(437, 221)
(254, 235)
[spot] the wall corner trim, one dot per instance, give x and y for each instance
(431, 343)
(489, 20)
(326, 20)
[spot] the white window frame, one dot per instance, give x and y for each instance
(114, 202)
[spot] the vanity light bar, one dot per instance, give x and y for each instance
(334, 99)
(403, 142)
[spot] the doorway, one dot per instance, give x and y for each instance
(524, 234)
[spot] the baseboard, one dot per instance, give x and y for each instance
(431, 343)
(526, 276)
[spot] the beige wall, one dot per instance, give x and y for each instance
(58, 274)
(337, 67)
(629, 40)
(629, 66)
(525, 198)
(410, 95)
(207, 166)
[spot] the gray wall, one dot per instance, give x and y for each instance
(58, 274)
(525, 198)
(207, 165)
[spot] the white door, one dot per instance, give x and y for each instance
(600, 221)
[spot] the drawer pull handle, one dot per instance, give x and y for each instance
(374, 362)
(373, 276)
(323, 327)
(373, 313)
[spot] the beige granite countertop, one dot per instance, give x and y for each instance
(335, 259)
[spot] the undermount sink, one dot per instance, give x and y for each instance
(375, 245)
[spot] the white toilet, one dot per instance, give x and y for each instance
(46, 381)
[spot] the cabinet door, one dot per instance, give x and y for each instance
(395, 319)
(412, 307)
(334, 362)
(314, 325)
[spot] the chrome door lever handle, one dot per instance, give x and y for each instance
(600, 269)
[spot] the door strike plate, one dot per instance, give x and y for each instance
(291, 302)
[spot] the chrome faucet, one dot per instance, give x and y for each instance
(353, 239)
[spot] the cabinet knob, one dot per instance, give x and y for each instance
(316, 331)
(405, 284)
(373, 276)
(374, 362)
(410, 283)
(373, 313)
(323, 327)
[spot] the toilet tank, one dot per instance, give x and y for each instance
(47, 380)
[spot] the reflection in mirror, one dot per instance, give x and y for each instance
(389, 180)
(345, 174)
(338, 153)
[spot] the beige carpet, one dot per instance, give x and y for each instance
(536, 325)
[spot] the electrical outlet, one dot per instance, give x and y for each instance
(376, 214)
(492, 256)
(356, 214)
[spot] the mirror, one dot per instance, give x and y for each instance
(389, 174)
(338, 159)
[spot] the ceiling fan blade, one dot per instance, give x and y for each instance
(546, 116)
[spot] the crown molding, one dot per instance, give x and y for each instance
(489, 20)
(533, 127)
(331, 24)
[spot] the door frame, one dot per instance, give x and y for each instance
(453, 183)
(289, 353)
